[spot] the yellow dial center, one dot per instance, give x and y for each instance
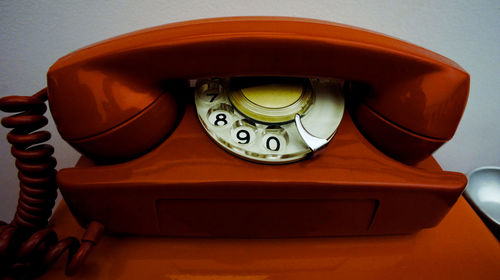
(271, 100)
(273, 95)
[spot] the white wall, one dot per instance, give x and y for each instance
(33, 34)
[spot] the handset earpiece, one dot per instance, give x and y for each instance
(139, 132)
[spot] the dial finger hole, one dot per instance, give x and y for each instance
(275, 139)
(243, 132)
(210, 91)
(220, 115)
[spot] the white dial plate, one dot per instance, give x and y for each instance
(267, 142)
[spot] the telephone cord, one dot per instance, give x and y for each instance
(27, 245)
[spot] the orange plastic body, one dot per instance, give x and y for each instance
(127, 96)
(188, 186)
(416, 93)
(460, 247)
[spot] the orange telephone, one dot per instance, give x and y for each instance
(235, 127)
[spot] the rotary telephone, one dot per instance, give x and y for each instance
(243, 127)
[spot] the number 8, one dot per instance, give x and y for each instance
(220, 118)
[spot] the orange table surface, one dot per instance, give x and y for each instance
(460, 247)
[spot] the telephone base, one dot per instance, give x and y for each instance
(452, 250)
(187, 186)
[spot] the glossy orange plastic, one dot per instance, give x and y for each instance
(100, 87)
(125, 96)
(189, 187)
(460, 247)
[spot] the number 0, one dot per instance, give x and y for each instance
(276, 140)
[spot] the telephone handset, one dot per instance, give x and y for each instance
(97, 93)
(209, 127)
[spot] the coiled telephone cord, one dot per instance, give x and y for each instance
(27, 246)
